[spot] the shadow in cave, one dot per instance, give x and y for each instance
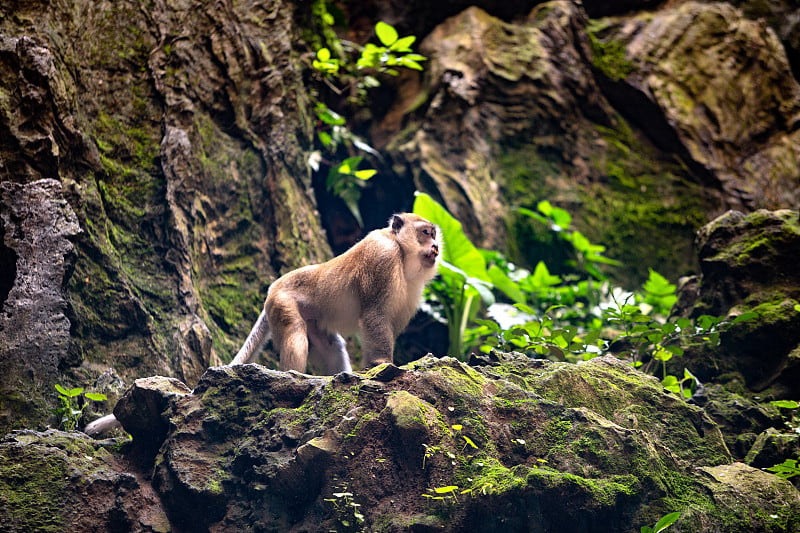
(8, 267)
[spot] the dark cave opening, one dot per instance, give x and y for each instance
(8, 267)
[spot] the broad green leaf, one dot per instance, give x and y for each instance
(666, 521)
(386, 33)
(508, 286)
(325, 138)
(408, 63)
(326, 115)
(658, 285)
(69, 393)
(745, 316)
(541, 277)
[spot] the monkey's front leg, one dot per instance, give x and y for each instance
(377, 338)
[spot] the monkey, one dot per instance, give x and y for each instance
(373, 288)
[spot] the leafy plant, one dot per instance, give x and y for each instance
(588, 256)
(661, 525)
(348, 512)
(72, 406)
(786, 469)
(561, 317)
(347, 68)
(395, 52)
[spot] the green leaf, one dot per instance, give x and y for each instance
(786, 469)
(403, 44)
(326, 115)
(785, 404)
(508, 286)
(325, 138)
(541, 277)
(445, 490)
(666, 521)
(323, 54)
(408, 63)
(745, 316)
(469, 441)
(96, 396)
(69, 393)
(669, 381)
(386, 33)
(797, 307)
(658, 285)
(365, 174)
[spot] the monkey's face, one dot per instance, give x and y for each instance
(427, 237)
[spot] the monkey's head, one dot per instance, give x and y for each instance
(417, 234)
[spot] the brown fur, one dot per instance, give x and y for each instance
(373, 288)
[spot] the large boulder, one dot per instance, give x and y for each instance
(438, 445)
(59, 481)
(749, 264)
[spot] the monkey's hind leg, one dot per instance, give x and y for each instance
(289, 333)
(258, 336)
(328, 350)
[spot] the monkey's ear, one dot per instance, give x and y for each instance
(396, 222)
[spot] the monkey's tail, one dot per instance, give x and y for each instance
(259, 335)
(102, 425)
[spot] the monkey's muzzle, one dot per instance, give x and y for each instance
(431, 255)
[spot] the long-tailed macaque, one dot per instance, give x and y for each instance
(373, 288)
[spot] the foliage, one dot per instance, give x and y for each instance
(786, 469)
(72, 406)
(789, 467)
(464, 281)
(567, 318)
(349, 69)
(666, 521)
(348, 515)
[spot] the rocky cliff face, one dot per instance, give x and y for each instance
(176, 178)
(165, 142)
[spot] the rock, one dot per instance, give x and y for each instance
(748, 263)
(515, 443)
(734, 480)
(142, 409)
(740, 419)
(171, 154)
(512, 443)
(57, 480)
(37, 226)
(772, 447)
(679, 88)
